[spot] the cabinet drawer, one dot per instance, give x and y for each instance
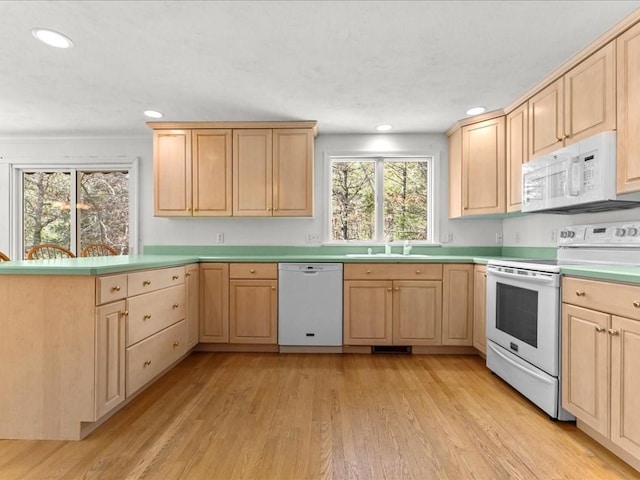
(253, 270)
(150, 357)
(386, 271)
(111, 288)
(615, 298)
(151, 312)
(152, 280)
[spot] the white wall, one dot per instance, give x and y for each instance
(538, 229)
(245, 231)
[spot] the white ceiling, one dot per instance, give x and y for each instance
(351, 65)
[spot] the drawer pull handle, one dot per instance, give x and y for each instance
(613, 332)
(146, 363)
(636, 303)
(175, 277)
(389, 289)
(147, 316)
(188, 274)
(368, 271)
(273, 288)
(146, 282)
(418, 272)
(116, 288)
(125, 313)
(580, 293)
(175, 344)
(175, 305)
(397, 289)
(252, 271)
(599, 329)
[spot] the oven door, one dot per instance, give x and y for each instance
(523, 315)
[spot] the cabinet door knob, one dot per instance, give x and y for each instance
(175, 344)
(599, 329)
(613, 332)
(368, 271)
(417, 272)
(252, 271)
(146, 282)
(147, 316)
(175, 277)
(273, 288)
(389, 289)
(175, 305)
(636, 303)
(559, 139)
(188, 274)
(580, 293)
(397, 289)
(115, 288)
(146, 363)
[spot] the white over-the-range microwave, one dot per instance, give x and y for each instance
(579, 178)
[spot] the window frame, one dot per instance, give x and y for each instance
(17, 168)
(380, 159)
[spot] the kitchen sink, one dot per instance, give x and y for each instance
(386, 255)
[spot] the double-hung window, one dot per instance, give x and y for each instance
(380, 198)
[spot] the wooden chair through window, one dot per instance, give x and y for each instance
(4, 258)
(98, 250)
(49, 250)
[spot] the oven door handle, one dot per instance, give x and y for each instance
(518, 366)
(542, 279)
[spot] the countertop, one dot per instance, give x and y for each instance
(127, 263)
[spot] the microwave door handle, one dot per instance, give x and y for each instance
(574, 175)
(539, 280)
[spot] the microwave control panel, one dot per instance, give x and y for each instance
(603, 234)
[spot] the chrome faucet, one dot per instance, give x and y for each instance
(406, 248)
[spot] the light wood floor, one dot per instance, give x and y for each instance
(295, 416)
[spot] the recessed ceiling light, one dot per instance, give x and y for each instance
(52, 38)
(153, 114)
(384, 128)
(476, 110)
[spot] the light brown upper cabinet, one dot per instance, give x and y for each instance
(252, 169)
(273, 172)
(577, 105)
(455, 174)
(628, 94)
(172, 173)
(517, 154)
(483, 167)
(192, 170)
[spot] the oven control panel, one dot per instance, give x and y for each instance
(602, 234)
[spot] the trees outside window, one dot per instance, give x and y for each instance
(379, 198)
(73, 208)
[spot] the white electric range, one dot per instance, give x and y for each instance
(523, 307)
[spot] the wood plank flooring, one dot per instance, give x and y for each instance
(305, 416)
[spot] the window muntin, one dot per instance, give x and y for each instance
(373, 199)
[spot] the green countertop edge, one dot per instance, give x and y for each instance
(614, 273)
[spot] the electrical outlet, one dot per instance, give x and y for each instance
(219, 237)
(553, 235)
(498, 238)
(450, 237)
(517, 237)
(313, 238)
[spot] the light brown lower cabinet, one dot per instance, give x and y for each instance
(457, 304)
(600, 361)
(110, 358)
(408, 304)
(192, 301)
(239, 303)
(480, 308)
(79, 361)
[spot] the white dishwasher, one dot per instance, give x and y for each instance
(310, 304)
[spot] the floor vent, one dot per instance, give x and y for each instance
(390, 349)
